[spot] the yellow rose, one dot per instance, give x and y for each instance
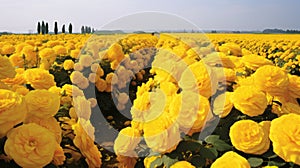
(126, 161)
(148, 160)
(39, 78)
(12, 110)
(68, 64)
(59, 156)
(200, 78)
(182, 164)
(127, 141)
(271, 79)
(6, 68)
(21, 89)
(294, 86)
(72, 90)
(47, 53)
(255, 61)
(82, 107)
(225, 74)
(222, 104)
(231, 159)
(16, 60)
(249, 100)
(55, 89)
(162, 134)
(30, 55)
(249, 137)
(7, 50)
(30, 145)
(285, 135)
(60, 50)
(50, 123)
(42, 103)
(84, 140)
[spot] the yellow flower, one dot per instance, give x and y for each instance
(190, 110)
(29, 54)
(161, 134)
(127, 141)
(50, 123)
(72, 90)
(76, 77)
(6, 68)
(30, 145)
(59, 156)
(16, 60)
(200, 78)
(82, 107)
(22, 90)
(249, 137)
(86, 60)
(84, 140)
(249, 100)
(294, 86)
(148, 160)
(12, 110)
(126, 161)
(55, 89)
(48, 54)
(60, 50)
(68, 64)
(272, 80)
(42, 103)
(39, 78)
(223, 105)
(101, 85)
(182, 164)
(285, 136)
(254, 61)
(7, 50)
(231, 159)
(75, 53)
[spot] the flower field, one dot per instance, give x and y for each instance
(150, 100)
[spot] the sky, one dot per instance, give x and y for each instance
(21, 16)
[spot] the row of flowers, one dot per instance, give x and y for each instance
(195, 82)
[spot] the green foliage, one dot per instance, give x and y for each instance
(55, 28)
(255, 162)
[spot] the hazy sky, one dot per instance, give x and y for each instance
(23, 15)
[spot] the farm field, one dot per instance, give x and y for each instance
(150, 100)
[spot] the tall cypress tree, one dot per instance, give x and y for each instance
(82, 30)
(47, 28)
(43, 27)
(63, 29)
(55, 28)
(70, 28)
(39, 28)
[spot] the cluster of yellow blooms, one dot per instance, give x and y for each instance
(187, 72)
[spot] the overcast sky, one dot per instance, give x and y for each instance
(23, 15)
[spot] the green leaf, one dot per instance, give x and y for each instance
(269, 154)
(211, 139)
(255, 162)
(222, 146)
(208, 153)
(184, 146)
(219, 144)
(273, 163)
(198, 161)
(168, 161)
(214, 151)
(157, 162)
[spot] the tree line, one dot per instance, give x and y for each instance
(43, 28)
